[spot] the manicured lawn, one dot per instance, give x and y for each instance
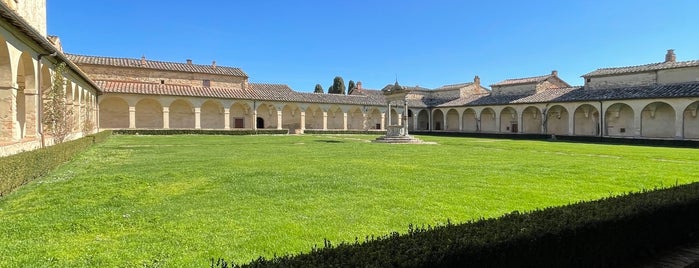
(181, 200)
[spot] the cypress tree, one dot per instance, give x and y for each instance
(318, 89)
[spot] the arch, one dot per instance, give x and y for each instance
(335, 117)
(314, 117)
(374, 119)
(423, 120)
(437, 120)
(488, 123)
(556, 120)
(691, 121)
(355, 118)
(411, 120)
(149, 114)
(268, 113)
(531, 120)
(211, 115)
(291, 116)
(6, 94)
(586, 120)
(508, 120)
(618, 120)
(658, 120)
(470, 120)
(181, 114)
(113, 113)
(452, 123)
(25, 105)
(239, 114)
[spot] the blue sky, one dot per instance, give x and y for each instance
(426, 43)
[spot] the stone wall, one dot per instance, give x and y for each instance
(33, 11)
(678, 75)
(635, 79)
(137, 74)
(515, 89)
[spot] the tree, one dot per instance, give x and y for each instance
(338, 86)
(351, 87)
(58, 116)
(318, 89)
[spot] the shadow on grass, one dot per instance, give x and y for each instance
(329, 141)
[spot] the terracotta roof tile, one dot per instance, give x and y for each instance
(453, 86)
(642, 68)
(526, 80)
(157, 65)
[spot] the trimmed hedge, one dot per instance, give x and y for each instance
(319, 131)
(198, 131)
(19, 169)
(612, 232)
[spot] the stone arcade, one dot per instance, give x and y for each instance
(650, 101)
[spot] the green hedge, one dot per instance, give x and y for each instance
(611, 232)
(19, 169)
(199, 131)
(333, 131)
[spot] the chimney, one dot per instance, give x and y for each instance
(143, 60)
(213, 65)
(359, 85)
(554, 73)
(477, 81)
(670, 56)
(189, 62)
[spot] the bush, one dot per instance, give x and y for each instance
(610, 232)
(19, 169)
(334, 131)
(199, 131)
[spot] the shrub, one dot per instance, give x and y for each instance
(199, 131)
(19, 169)
(604, 233)
(334, 131)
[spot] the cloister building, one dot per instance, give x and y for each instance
(656, 101)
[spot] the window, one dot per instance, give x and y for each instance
(206, 83)
(162, 82)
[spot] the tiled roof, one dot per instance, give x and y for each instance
(453, 86)
(157, 65)
(643, 68)
(257, 91)
(526, 80)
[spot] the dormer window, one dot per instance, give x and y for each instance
(206, 83)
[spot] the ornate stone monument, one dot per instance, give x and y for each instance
(397, 133)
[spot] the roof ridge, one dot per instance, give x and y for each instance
(150, 60)
(650, 64)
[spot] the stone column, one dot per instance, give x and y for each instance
(254, 119)
(132, 117)
(388, 122)
(344, 120)
(637, 124)
(197, 117)
(383, 118)
(430, 120)
(461, 121)
(325, 120)
(166, 117)
(444, 121)
(571, 123)
(226, 118)
(498, 124)
(31, 113)
(679, 125)
(303, 120)
(415, 127)
(279, 119)
(400, 119)
(520, 119)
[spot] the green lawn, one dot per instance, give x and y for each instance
(180, 200)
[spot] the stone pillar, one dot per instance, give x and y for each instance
(461, 121)
(429, 120)
(383, 118)
(325, 120)
(498, 124)
(400, 119)
(679, 125)
(226, 118)
(520, 119)
(637, 124)
(197, 117)
(415, 121)
(303, 120)
(344, 120)
(254, 119)
(166, 117)
(132, 117)
(31, 112)
(571, 123)
(388, 122)
(279, 119)
(444, 121)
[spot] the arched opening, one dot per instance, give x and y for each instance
(508, 120)
(658, 121)
(6, 94)
(423, 120)
(355, 119)
(411, 120)
(268, 113)
(291, 117)
(211, 116)
(470, 121)
(335, 117)
(488, 123)
(239, 116)
(149, 114)
(374, 119)
(314, 117)
(531, 120)
(586, 120)
(181, 114)
(260, 122)
(619, 120)
(691, 121)
(437, 120)
(114, 113)
(26, 115)
(452, 123)
(557, 120)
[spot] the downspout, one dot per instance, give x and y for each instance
(40, 108)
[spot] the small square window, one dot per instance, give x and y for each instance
(206, 83)
(162, 82)
(622, 130)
